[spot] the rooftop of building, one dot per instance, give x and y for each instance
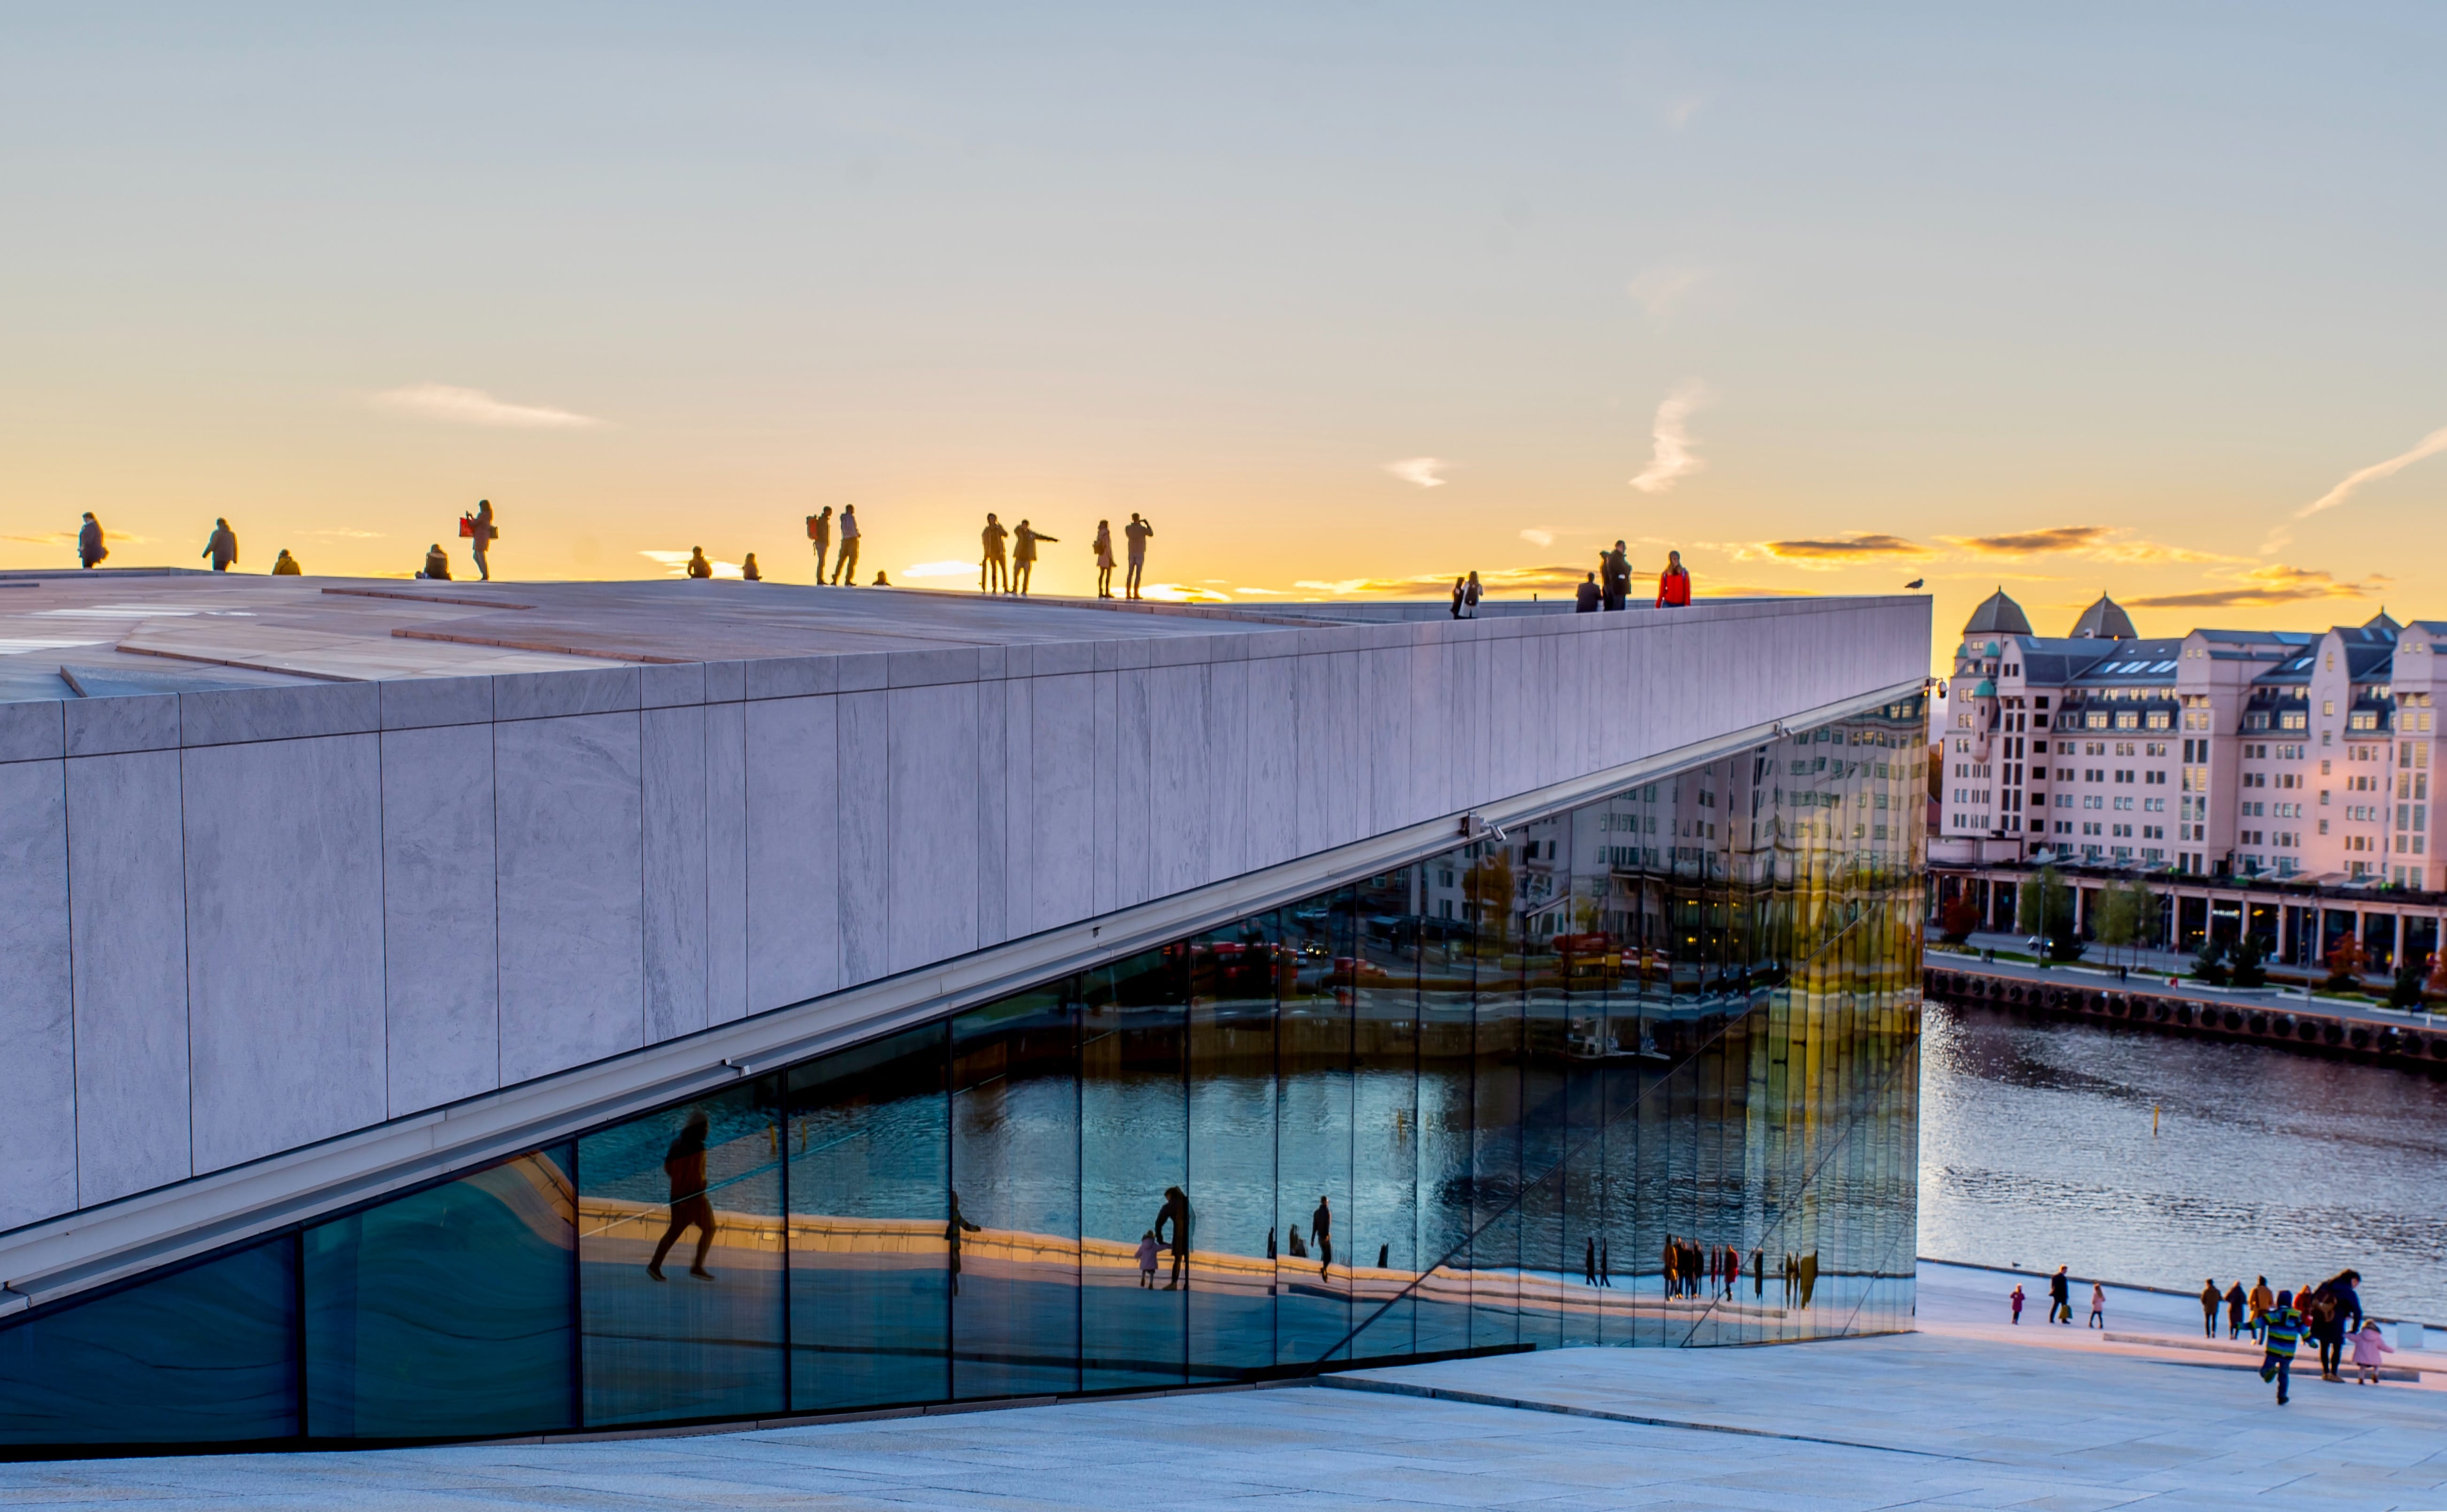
(113, 633)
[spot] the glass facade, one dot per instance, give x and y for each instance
(1643, 1071)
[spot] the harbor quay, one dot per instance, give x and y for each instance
(450, 1013)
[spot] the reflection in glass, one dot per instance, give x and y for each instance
(202, 1354)
(871, 1226)
(1013, 1222)
(1313, 1267)
(446, 1313)
(1232, 1123)
(1136, 1223)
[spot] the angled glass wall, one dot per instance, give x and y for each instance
(1640, 1072)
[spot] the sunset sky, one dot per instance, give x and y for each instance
(1345, 297)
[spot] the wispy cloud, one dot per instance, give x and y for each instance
(68, 537)
(1826, 554)
(1266, 592)
(1419, 470)
(2259, 587)
(1679, 111)
(474, 407)
(2031, 542)
(1661, 290)
(1673, 458)
(674, 563)
(1538, 536)
(2429, 445)
(1493, 580)
(1182, 593)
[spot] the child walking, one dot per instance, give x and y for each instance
(2368, 1346)
(2097, 1306)
(1146, 1260)
(2017, 1300)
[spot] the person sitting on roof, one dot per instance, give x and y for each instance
(697, 566)
(285, 565)
(437, 566)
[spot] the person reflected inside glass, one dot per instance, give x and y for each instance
(1320, 1233)
(1175, 1212)
(684, 1164)
(957, 1224)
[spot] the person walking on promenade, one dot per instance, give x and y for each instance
(437, 563)
(1470, 596)
(2060, 1298)
(285, 565)
(2234, 1304)
(90, 551)
(697, 566)
(1104, 558)
(845, 570)
(2285, 1326)
(2262, 1300)
(684, 1164)
(1320, 1223)
(481, 540)
(2210, 1297)
(1136, 532)
(2097, 1306)
(222, 547)
(1023, 557)
(819, 536)
(2368, 1346)
(990, 566)
(1673, 587)
(2339, 1311)
(1584, 597)
(2016, 1298)
(1616, 591)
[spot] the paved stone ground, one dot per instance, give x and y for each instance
(1955, 1417)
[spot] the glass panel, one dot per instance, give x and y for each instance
(1232, 1149)
(1015, 1199)
(680, 1261)
(1495, 1099)
(450, 1311)
(208, 1354)
(1136, 1223)
(1385, 1114)
(1313, 1168)
(1446, 1094)
(870, 1157)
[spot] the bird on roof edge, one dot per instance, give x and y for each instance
(1915, 583)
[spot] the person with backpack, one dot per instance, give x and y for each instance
(819, 536)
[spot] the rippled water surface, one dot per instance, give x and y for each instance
(2036, 1150)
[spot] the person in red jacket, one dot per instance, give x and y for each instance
(1674, 584)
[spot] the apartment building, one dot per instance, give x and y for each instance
(2279, 753)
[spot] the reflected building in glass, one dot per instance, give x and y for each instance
(1637, 1070)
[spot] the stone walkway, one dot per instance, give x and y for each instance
(1942, 1419)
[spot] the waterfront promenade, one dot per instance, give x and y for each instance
(1966, 1413)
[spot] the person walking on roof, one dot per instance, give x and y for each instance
(481, 540)
(2097, 1306)
(845, 571)
(2210, 1298)
(1136, 532)
(1674, 588)
(2060, 1298)
(2262, 1300)
(990, 566)
(2234, 1304)
(1023, 555)
(222, 547)
(1104, 558)
(819, 536)
(90, 550)
(2284, 1328)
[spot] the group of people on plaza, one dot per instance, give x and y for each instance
(996, 574)
(2329, 1314)
(1609, 587)
(221, 547)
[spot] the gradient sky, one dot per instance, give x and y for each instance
(1341, 295)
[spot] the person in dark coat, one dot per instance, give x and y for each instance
(437, 563)
(1320, 1228)
(1617, 577)
(2234, 1300)
(2059, 1297)
(2210, 1297)
(952, 1229)
(1584, 597)
(1176, 1213)
(222, 547)
(90, 551)
(2335, 1311)
(684, 1164)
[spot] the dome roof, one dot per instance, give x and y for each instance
(1985, 690)
(2105, 621)
(1998, 615)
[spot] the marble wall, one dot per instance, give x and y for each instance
(236, 922)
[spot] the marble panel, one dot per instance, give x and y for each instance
(994, 808)
(920, 669)
(412, 703)
(1347, 777)
(1385, 690)
(1313, 750)
(1228, 770)
(1055, 845)
(99, 727)
(1135, 838)
(794, 781)
(1106, 868)
(1180, 800)
(442, 977)
(1054, 658)
(672, 745)
(789, 676)
(667, 686)
(868, 850)
(725, 682)
(935, 821)
(128, 933)
(564, 694)
(32, 730)
(1506, 712)
(285, 1008)
(571, 845)
(37, 1010)
(223, 715)
(1273, 761)
(726, 861)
